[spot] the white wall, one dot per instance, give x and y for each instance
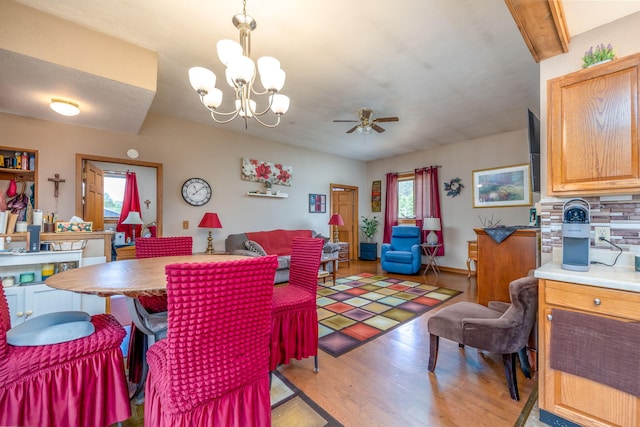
(187, 149)
(459, 217)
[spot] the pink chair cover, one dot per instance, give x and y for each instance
(79, 383)
(294, 326)
(152, 247)
(213, 367)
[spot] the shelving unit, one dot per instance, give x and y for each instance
(34, 299)
(273, 196)
(30, 176)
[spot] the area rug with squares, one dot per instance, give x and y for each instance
(359, 308)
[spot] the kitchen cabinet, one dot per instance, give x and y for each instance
(593, 145)
(575, 398)
(34, 299)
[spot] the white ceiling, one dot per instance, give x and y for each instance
(450, 70)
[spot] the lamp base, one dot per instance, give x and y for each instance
(336, 235)
(210, 250)
(432, 238)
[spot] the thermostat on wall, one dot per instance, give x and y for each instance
(119, 239)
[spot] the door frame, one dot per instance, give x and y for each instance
(80, 158)
(355, 232)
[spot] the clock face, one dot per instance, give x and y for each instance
(196, 191)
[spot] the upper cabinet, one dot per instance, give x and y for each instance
(593, 145)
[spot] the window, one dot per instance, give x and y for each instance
(113, 196)
(406, 206)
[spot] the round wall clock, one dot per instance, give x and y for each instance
(196, 191)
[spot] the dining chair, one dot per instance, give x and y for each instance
(294, 331)
(152, 308)
(78, 383)
(213, 367)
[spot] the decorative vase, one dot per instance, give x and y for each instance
(598, 63)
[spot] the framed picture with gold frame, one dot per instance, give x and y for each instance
(502, 187)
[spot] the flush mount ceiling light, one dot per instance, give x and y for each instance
(66, 108)
(241, 76)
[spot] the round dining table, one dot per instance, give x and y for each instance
(132, 278)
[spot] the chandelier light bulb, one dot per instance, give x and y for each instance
(279, 103)
(202, 79)
(64, 107)
(213, 99)
(228, 50)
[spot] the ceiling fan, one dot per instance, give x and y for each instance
(367, 122)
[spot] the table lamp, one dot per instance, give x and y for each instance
(133, 219)
(210, 220)
(336, 220)
(433, 225)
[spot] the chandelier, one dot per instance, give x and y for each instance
(241, 76)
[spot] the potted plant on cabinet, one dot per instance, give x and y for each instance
(369, 249)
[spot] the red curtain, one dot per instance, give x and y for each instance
(420, 199)
(391, 206)
(130, 203)
(433, 205)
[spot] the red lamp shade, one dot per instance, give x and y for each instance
(210, 220)
(336, 219)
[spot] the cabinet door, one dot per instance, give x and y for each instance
(15, 298)
(41, 299)
(593, 143)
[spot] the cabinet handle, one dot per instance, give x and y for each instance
(549, 317)
(19, 314)
(28, 313)
(597, 301)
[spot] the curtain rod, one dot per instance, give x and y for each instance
(412, 171)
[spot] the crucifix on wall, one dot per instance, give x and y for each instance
(56, 184)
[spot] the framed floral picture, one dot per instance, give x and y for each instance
(502, 187)
(261, 171)
(317, 203)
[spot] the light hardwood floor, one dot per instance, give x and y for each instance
(386, 383)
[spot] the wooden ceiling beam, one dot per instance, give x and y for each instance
(542, 25)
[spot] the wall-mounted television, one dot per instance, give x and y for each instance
(533, 124)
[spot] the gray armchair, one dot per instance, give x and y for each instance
(499, 328)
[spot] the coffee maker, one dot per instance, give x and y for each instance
(575, 235)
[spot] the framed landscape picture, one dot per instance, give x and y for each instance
(502, 187)
(317, 203)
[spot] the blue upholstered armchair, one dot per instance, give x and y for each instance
(403, 254)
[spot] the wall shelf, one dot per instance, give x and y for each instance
(273, 196)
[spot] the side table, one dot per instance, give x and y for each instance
(430, 251)
(343, 253)
(472, 249)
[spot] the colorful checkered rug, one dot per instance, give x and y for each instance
(357, 309)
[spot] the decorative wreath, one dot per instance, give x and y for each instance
(453, 187)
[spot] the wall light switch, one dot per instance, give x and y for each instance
(185, 225)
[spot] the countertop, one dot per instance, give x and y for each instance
(622, 277)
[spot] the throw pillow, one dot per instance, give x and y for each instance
(254, 247)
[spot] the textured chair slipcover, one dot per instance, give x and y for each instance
(499, 328)
(294, 332)
(78, 383)
(152, 247)
(213, 367)
(402, 255)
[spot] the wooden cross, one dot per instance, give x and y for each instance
(56, 182)
(147, 202)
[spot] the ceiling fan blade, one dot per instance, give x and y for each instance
(387, 119)
(377, 128)
(352, 129)
(346, 121)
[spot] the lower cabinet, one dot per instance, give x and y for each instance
(368, 251)
(576, 398)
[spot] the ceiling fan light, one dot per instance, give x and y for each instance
(202, 79)
(279, 103)
(213, 99)
(359, 130)
(228, 50)
(65, 108)
(367, 130)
